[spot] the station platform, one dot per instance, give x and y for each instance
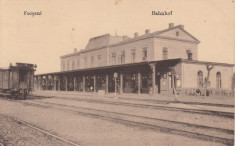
(141, 97)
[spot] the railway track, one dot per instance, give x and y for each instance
(68, 142)
(224, 136)
(163, 101)
(150, 106)
(207, 133)
(188, 103)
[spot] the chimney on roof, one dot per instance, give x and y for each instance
(124, 38)
(135, 34)
(182, 26)
(75, 50)
(147, 31)
(171, 25)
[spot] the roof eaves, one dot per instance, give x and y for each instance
(178, 26)
(132, 40)
(83, 51)
(71, 54)
(171, 38)
(206, 62)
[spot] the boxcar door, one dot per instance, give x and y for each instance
(22, 79)
(15, 79)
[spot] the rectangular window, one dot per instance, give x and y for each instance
(78, 64)
(85, 62)
(63, 66)
(119, 58)
(99, 60)
(190, 56)
(68, 65)
(99, 57)
(144, 53)
(72, 65)
(133, 55)
(123, 57)
(164, 53)
(92, 60)
(113, 58)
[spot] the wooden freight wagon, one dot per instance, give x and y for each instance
(17, 81)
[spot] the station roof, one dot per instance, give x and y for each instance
(159, 63)
(106, 40)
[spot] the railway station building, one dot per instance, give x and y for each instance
(159, 62)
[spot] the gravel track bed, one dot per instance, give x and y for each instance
(17, 134)
(217, 101)
(90, 130)
(206, 120)
(164, 124)
(228, 113)
(188, 103)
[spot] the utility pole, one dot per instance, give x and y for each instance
(207, 81)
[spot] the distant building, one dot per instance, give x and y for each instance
(160, 62)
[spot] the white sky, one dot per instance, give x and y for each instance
(43, 39)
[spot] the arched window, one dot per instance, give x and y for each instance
(199, 79)
(164, 53)
(218, 80)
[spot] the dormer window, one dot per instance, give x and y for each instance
(189, 54)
